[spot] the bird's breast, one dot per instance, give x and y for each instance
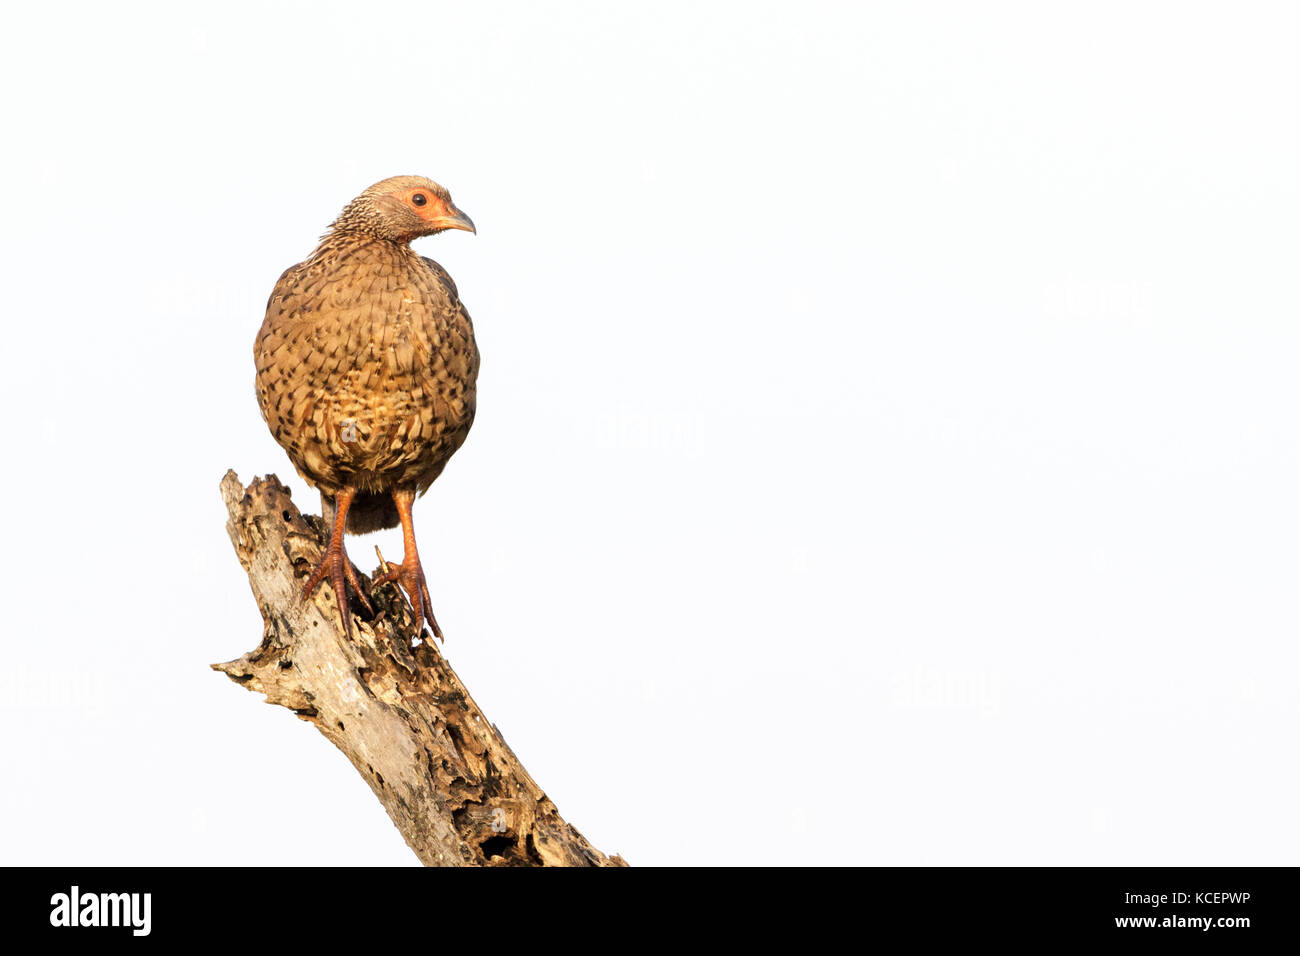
(367, 369)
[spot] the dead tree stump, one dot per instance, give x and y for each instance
(391, 704)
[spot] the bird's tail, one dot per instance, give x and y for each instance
(369, 512)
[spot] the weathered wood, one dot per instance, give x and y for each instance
(443, 772)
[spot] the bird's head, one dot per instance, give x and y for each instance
(401, 209)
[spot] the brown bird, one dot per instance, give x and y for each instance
(366, 369)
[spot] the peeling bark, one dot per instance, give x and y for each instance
(447, 778)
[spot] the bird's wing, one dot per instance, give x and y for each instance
(270, 340)
(443, 276)
(286, 364)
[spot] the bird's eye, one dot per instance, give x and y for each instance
(419, 199)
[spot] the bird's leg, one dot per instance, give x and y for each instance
(335, 563)
(409, 573)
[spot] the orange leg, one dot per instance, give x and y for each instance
(409, 573)
(335, 563)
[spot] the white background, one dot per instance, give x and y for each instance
(886, 448)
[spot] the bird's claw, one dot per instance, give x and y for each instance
(410, 575)
(334, 563)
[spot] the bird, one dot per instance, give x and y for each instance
(367, 375)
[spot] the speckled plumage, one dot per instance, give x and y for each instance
(366, 361)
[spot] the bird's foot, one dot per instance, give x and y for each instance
(336, 565)
(411, 577)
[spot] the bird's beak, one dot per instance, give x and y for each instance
(455, 219)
